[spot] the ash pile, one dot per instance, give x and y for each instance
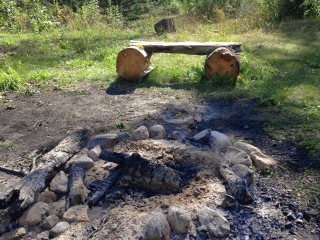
(145, 185)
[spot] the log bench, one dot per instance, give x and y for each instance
(133, 62)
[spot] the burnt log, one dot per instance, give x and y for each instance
(104, 187)
(139, 172)
(222, 62)
(165, 25)
(237, 185)
(78, 192)
(32, 184)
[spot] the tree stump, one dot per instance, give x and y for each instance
(164, 25)
(133, 63)
(223, 62)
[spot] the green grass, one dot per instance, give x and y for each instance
(280, 66)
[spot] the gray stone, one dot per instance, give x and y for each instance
(59, 183)
(176, 135)
(260, 160)
(47, 197)
(157, 132)
(81, 161)
(105, 141)
(61, 227)
(123, 136)
(94, 153)
(14, 234)
(179, 219)
(58, 207)
(79, 213)
(157, 228)
(202, 137)
(235, 156)
(243, 172)
(35, 214)
(141, 133)
(217, 225)
(50, 221)
(219, 140)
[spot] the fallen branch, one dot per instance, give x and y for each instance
(78, 192)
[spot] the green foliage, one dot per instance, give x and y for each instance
(10, 80)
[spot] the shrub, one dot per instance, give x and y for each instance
(10, 80)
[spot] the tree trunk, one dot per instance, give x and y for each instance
(133, 63)
(165, 25)
(222, 62)
(33, 183)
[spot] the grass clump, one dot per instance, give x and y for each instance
(10, 80)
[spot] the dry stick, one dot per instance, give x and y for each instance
(33, 183)
(19, 173)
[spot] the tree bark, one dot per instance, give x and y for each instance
(33, 183)
(192, 48)
(133, 63)
(222, 62)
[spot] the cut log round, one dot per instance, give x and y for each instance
(133, 63)
(165, 25)
(223, 62)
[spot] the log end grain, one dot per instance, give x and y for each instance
(133, 63)
(223, 62)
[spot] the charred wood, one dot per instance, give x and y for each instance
(78, 192)
(237, 185)
(104, 187)
(33, 183)
(139, 172)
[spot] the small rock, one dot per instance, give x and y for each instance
(217, 225)
(140, 133)
(94, 153)
(197, 118)
(243, 172)
(288, 225)
(123, 136)
(219, 140)
(59, 183)
(237, 156)
(248, 148)
(157, 228)
(179, 219)
(47, 197)
(58, 207)
(157, 132)
(176, 135)
(50, 221)
(262, 161)
(14, 234)
(105, 141)
(202, 137)
(35, 214)
(83, 161)
(61, 227)
(79, 213)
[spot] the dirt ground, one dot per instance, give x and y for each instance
(31, 125)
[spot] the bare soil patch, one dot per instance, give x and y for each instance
(32, 125)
